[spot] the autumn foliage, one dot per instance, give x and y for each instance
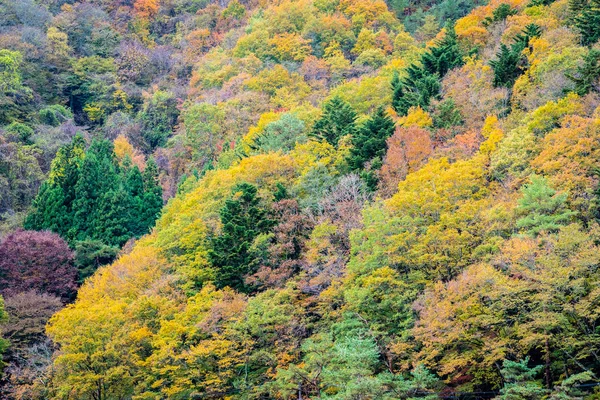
(300, 199)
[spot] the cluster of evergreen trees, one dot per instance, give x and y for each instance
(422, 82)
(510, 62)
(89, 196)
(368, 140)
(586, 16)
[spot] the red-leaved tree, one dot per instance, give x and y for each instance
(39, 261)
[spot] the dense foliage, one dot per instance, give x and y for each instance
(364, 199)
(38, 261)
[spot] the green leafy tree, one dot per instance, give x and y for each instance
(338, 120)
(3, 342)
(20, 132)
(158, 118)
(243, 219)
(55, 115)
(542, 209)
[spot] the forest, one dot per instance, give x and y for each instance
(299, 199)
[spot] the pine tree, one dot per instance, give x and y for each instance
(588, 22)
(588, 74)
(444, 56)
(369, 142)
(511, 62)
(134, 186)
(447, 115)
(542, 208)
(90, 255)
(501, 12)
(49, 211)
(523, 39)
(520, 382)
(98, 174)
(152, 201)
(113, 218)
(417, 89)
(338, 120)
(506, 66)
(52, 208)
(422, 83)
(242, 220)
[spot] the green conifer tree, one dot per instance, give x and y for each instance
(444, 56)
(542, 209)
(113, 218)
(520, 382)
(510, 62)
(587, 22)
(588, 74)
(52, 208)
(134, 186)
(500, 13)
(152, 201)
(422, 83)
(416, 89)
(242, 220)
(98, 175)
(369, 141)
(506, 66)
(338, 120)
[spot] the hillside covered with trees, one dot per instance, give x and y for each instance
(300, 199)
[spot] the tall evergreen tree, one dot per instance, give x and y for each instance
(88, 196)
(242, 220)
(338, 120)
(506, 66)
(134, 187)
(444, 56)
(417, 89)
(152, 201)
(510, 62)
(369, 142)
(98, 175)
(113, 218)
(52, 208)
(588, 74)
(500, 13)
(422, 82)
(587, 22)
